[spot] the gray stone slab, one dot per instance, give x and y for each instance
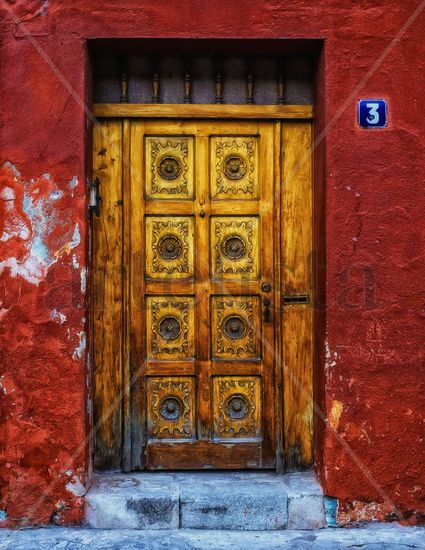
(54, 538)
(233, 504)
(206, 500)
(305, 501)
(131, 502)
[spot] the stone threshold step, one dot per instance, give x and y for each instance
(372, 538)
(251, 501)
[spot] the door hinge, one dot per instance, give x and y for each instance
(95, 198)
(295, 299)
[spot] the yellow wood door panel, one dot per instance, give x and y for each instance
(107, 298)
(202, 204)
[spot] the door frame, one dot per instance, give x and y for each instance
(294, 201)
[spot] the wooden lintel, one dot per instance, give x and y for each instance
(140, 110)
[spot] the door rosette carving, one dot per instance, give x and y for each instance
(169, 247)
(237, 327)
(169, 167)
(170, 328)
(170, 322)
(237, 407)
(234, 327)
(234, 168)
(171, 408)
(235, 246)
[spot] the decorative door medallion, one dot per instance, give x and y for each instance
(202, 211)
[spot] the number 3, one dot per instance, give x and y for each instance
(373, 117)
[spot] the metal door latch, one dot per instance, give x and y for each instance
(95, 198)
(296, 299)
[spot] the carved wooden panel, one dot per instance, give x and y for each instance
(170, 327)
(234, 168)
(237, 407)
(235, 247)
(236, 327)
(169, 247)
(169, 167)
(171, 408)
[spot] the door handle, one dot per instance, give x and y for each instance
(266, 304)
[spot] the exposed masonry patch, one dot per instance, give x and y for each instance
(3, 311)
(79, 350)
(76, 487)
(83, 276)
(58, 316)
(12, 167)
(73, 182)
(14, 226)
(331, 356)
(34, 230)
(335, 414)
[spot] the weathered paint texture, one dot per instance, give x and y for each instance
(370, 453)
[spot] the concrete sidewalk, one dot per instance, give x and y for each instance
(369, 538)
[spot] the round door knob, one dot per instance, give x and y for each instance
(266, 287)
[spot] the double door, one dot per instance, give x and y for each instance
(188, 351)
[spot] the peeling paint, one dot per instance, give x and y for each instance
(76, 487)
(331, 356)
(335, 414)
(3, 311)
(33, 227)
(83, 276)
(57, 316)
(360, 511)
(73, 182)
(79, 350)
(75, 263)
(12, 167)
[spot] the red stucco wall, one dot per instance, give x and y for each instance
(371, 452)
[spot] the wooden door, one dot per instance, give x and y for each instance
(202, 207)
(190, 351)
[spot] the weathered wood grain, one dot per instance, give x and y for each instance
(202, 111)
(296, 280)
(107, 297)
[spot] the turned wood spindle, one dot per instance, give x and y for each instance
(187, 85)
(249, 84)
(280, 87)
(124, 81)
(155, 88)
(155, 81)
(219, 83)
